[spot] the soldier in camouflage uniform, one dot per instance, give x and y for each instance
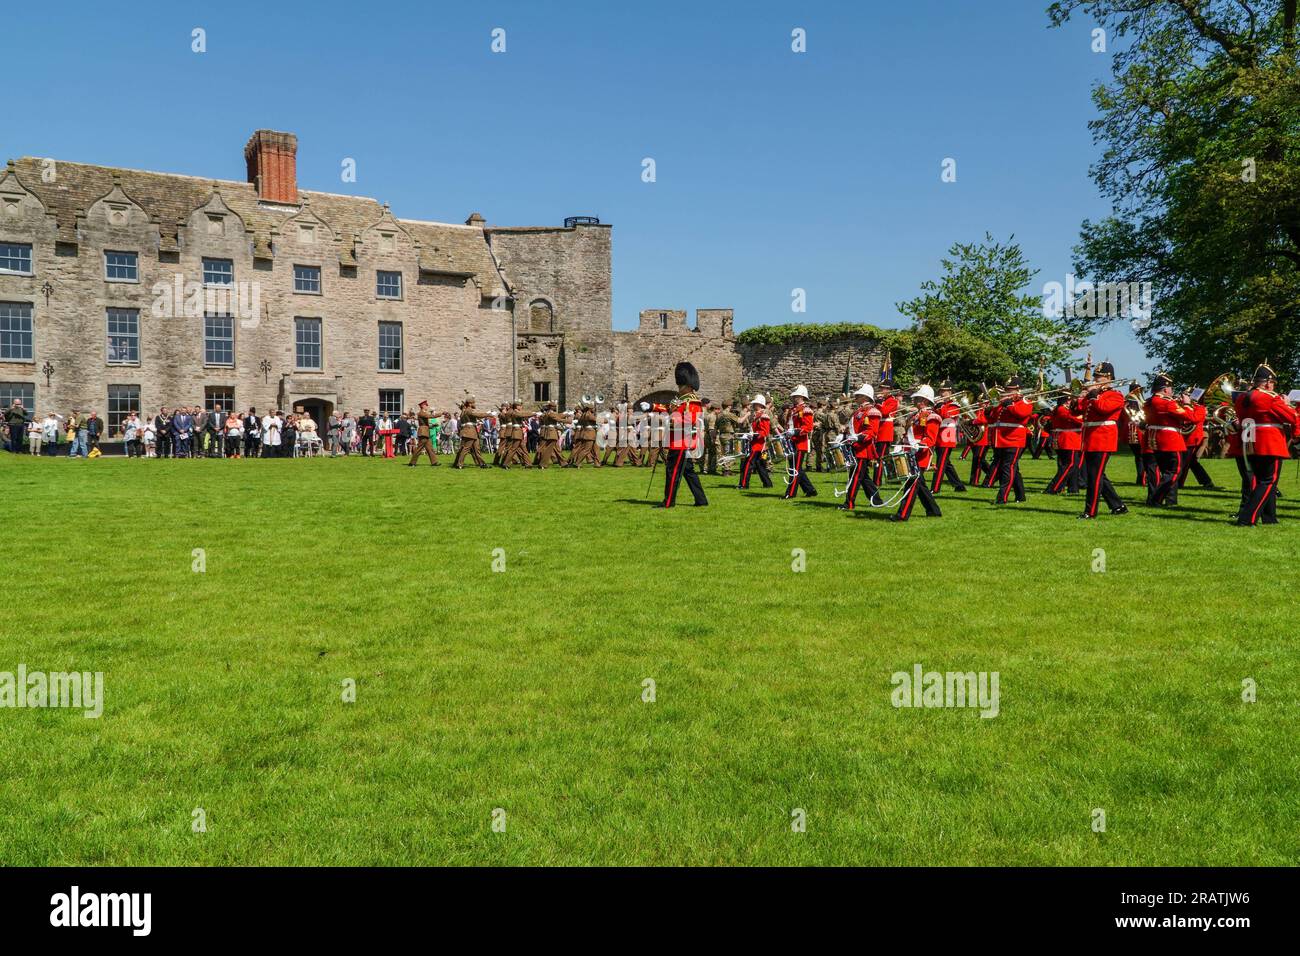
(728, 422)
(711, 439)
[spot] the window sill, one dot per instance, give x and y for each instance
(306, 292)
(17, 361)
(122, 281)
(122, 364)
(388, 298)
(215, 365)
(19, 275)
(392, 371)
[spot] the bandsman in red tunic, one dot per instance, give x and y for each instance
(923, 434)
(1267, 423)
(760, 427)
(863, 429)
(1235, 452)
(981, 473)
(1067, 436)
(949, 416)
(1100, 406)
(801, 427)
(888, 405)
(1191, 462)
(1165, 419)
(684, 437)
(1009, 423)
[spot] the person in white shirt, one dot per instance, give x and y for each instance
(50, 432)
(271, 425)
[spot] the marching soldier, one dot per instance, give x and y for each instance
(684, 422)
(801, 427)
(469, 428)
(631, 436)
(423, 444)
(823, 428)
(922, 433)
(888, 405)
(584, 438)
(981, 472)
(656, 431)
(548, 445)
(1100, 407)
(1165, 418)
(1234, 451)
(760, 427)
(949, 413)
(728, 423)
(711, 439)
(1267, 421)
(1191, 462)
(863, 428)
(520, 456)
(1009, 422)
(1067, 435)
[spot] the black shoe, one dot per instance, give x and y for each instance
(810, 494)
(1121, 510)
(896, 518)
(878, 502)
(410, 464)
(961, 488)
(1085, 516)
(843, 508)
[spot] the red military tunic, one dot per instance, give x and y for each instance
(981, 421)
(887, 408)
(1100, 415)
(802, 423)
(1067, 428)
(866, 426)
(948, 415)
(924, 430)
(682, 419)
(1196, 413)
(1165, 419)
(761, 427)
(1008, 424)
(1274, 421)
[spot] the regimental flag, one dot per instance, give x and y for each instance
(887, 370)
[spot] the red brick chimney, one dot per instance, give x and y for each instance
(273, 165)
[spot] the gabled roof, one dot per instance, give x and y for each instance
(446, 249)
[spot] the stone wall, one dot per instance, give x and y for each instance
(777, 369)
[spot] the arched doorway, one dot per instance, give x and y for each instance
(319, 410)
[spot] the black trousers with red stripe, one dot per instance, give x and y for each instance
(979, 466)
(801, 481)
(1150, 475)
(1138, 464)
(1261, 507)
(916, 487)
(857, 480)
(679, 466)
(1247, 482)
(1096, 484)
(1169, 465)
(755, 464)
(943, 468)
(883, 462)
(1193, 465)
(1007, 462)
(1069, 472)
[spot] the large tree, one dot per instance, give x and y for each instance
(1200, 129)
(983, 292)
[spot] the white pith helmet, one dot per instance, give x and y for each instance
(645, 406)
(926, 392)
(800, 391)
(866, 391)
(758, 400)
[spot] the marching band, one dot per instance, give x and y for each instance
(1080, 424)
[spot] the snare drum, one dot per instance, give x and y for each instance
(901, 467)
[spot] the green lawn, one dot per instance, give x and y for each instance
(522, 690)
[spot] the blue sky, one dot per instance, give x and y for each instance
(774, 170)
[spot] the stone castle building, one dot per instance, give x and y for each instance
(125, 289)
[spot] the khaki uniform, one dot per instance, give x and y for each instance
(423, 444)
(584, 440)
(469, 419)
(548, 446)
(728, 424)
(711, 447)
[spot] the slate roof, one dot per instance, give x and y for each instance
(459, 251)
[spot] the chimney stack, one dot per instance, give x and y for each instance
(273, 165)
